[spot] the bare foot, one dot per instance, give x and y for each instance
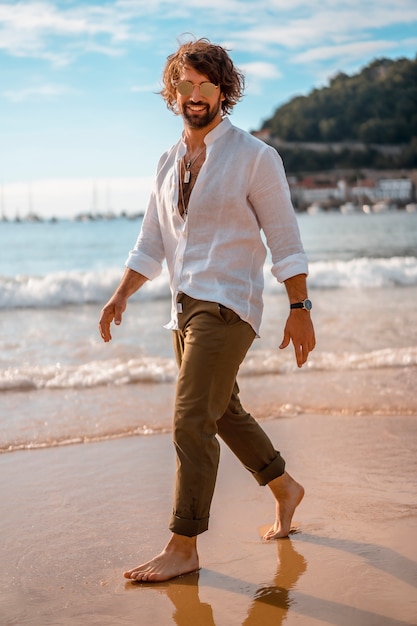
(288, 495)
(177, 558)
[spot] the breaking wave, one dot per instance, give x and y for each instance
(76, 287)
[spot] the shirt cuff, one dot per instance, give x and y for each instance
(143, 264)
(290, 266)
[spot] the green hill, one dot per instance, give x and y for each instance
(372, 115)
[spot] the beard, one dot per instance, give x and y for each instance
(200, 120)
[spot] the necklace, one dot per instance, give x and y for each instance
(186, 181)
(189, 164)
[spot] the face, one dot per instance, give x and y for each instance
(199, 111)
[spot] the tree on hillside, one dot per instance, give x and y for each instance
(378, 105)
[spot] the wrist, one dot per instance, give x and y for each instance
(305, 305)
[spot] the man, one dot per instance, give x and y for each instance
(214, 191)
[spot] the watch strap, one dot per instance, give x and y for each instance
(305, 304)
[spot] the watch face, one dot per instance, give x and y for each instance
(308, 305)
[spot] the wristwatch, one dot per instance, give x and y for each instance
(305, 304)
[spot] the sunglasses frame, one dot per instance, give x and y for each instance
(202, 87)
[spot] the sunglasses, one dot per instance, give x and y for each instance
(185, 88)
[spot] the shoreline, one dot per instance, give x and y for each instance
(82, 419)
(75, 517)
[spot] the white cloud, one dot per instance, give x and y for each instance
(38, 16)
(256, 73)
(154, 88)
(324, 22)
(354, 50)
(60, 33)
(43, 30)
(261, 69)
(410, 42)
(39, 91)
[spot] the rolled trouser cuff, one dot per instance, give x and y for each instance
(275, 469)
(188, 527)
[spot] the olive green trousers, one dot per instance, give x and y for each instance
(210, 345)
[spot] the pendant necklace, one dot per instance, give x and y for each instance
(189, 164)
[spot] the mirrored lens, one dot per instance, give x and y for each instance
(185, 88)
(207, 89)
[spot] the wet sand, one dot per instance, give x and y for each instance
(73, 518)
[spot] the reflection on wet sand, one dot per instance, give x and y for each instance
(271, 602)
(269, 605)
(184, 595)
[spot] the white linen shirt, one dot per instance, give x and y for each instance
(216, 251)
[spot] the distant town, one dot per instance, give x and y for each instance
(371, 191)
(88, 216)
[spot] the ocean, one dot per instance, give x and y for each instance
(60, 384)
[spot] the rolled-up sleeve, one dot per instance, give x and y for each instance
(290, 266)
(271, 199)
(148, 255)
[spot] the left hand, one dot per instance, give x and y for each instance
(299, 329)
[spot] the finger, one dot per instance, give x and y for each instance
(285, 341)
(304, 352)
(117, 313)
(104, 330)
(301, 354)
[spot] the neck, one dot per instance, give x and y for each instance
(194, 137)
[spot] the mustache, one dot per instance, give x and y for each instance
(196, 104)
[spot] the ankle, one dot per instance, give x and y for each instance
(182, 543)
(281, 483)
(285, 487)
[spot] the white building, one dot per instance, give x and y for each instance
(394, 189)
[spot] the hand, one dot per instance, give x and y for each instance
(299, 329)
(112, 311)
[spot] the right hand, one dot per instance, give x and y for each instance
(112, 311)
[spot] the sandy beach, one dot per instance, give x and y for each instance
(74, 517)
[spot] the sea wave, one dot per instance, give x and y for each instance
(70, 288)
(74, 288)
(162, 370)
(67, 440)
(364, 272)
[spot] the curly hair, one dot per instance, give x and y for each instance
(209, 59)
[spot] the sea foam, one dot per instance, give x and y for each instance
(95, 287)
(116, 372)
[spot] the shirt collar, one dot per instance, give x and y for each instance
(218, 131)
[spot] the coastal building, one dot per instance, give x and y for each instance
(329, 192)
(364, 191)
(316, 190)
(396, 189)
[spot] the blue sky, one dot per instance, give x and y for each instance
(81, 126)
